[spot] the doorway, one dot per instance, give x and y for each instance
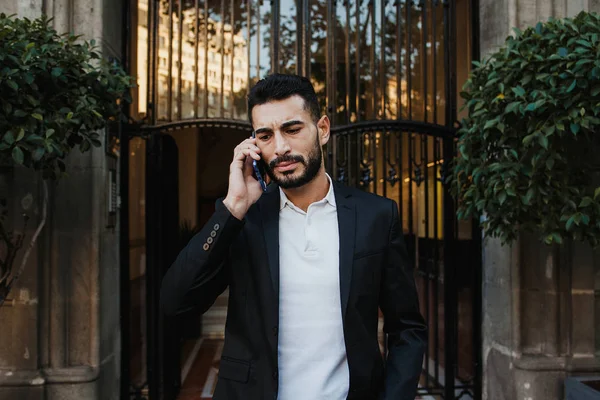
(175, 176)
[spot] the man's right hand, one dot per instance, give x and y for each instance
(244, 190)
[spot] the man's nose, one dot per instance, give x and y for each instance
(282, 146)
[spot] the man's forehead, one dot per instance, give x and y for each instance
(278, 112)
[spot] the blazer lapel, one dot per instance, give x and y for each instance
(346, 211)
(269, 209)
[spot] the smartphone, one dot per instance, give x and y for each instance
(259, 170)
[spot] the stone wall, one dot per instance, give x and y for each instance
(61, 333)
(540, 320)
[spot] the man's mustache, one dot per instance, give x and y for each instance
(287, 158)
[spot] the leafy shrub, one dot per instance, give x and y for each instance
(527, 152)
(55, 93)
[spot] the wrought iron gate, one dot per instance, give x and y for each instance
(386, 73)
(408, 162)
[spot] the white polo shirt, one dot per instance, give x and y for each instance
(312, 354)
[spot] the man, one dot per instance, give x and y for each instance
(307, 263)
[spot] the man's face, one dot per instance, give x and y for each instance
(290, 141)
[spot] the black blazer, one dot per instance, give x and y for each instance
(374, 272)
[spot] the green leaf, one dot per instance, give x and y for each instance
(557, 238)
(17, 155)
(528, 196)
(490, 123)
(84, 146)
(528, 139)
(583, 62)
(502, 197)
(585, 219)
(69, 115)
(549, 130)
(513, 107)
(97, 114)
(38, 153)
(585, 202)
(20, 113)
(575, 128)
(12, 84)
(37, 116)
(543, 141)
(585, 43)
(573, 85)
(31, 100)
(570, 223)
(21, 134)
(35, 139)
(9, 137)
(563, 52)
(538, 28)
(595, 90)
(56, 71)
(597, 193)
(519, 91)
(49, 133)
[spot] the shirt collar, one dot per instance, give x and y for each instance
(329, 197)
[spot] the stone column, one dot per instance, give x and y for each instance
(63, 339)
(539, 323)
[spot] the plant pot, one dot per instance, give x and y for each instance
(582, 388)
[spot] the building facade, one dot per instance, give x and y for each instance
(83, 323)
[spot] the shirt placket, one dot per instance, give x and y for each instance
(310, 233)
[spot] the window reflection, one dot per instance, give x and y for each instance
(288, 32)
(202, 64)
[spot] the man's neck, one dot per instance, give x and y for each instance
(313, 191)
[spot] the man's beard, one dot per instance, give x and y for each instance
(311, 168)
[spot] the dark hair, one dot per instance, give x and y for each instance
(280, 87)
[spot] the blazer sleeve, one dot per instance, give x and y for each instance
(201, 272)
(403, 322)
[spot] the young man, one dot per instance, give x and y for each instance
(307, 263)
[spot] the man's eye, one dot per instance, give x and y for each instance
(264, 137)
(292, 131)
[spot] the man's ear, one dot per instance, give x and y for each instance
(324, 130)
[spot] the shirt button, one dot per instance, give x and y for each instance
(216, 227)
(213, 234)
(209, 240)
(205, 247)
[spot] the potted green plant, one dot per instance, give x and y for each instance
(56, 93)
(526, 157)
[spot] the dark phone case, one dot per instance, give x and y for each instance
(259, 171)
